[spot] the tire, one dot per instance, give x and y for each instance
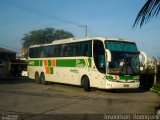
(37, 78)
(85, 84)
(42, 78)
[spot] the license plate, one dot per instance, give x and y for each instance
(125, 85)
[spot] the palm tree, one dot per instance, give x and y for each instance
(151, 8)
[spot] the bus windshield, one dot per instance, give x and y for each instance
(125, 58)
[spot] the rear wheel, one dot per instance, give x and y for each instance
(37, 79)
(42, 78)
(85, 84)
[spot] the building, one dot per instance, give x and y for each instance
(6, 56)
(23, 53)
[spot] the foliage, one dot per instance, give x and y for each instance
(46, 35)
(151, 8)
(156, 89)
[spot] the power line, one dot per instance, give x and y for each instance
(41, 13)
(37, 12)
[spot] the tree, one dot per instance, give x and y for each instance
(46, 35)
(150, 9)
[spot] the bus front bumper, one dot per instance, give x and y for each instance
(122, 85)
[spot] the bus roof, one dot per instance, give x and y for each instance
(69, 40)
(86, 39)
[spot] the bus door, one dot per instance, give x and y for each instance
(99, 66)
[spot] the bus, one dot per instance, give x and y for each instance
(104, 63)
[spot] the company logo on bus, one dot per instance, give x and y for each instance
(31, 63)
(79, 63)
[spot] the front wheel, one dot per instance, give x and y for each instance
(42, 78)
(86, 84)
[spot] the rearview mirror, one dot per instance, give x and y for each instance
(108, 55)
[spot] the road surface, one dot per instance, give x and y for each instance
(23, 98)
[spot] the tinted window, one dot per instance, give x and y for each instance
(35, 52)
(121, 46)
(69, 50)
(31, 52)
(86, 49)
(77, 49)
(99, 56)
(57, 51)
(64, 50)
(49, 51)
(41, 52)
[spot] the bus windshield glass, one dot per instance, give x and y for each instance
(125, 58)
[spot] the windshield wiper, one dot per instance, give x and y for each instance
(126, 64)
(132, 68)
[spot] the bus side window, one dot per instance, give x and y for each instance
(57, 50)
(31, 52)
(37, 52)
(75, 49)
(49, 51)
(69, 51)
(52, 51)
(86, 49)
(44, 52)
(64, 51)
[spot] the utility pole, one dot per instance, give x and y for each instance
(86, 31)
(155, 70)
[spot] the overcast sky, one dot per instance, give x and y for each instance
(104, 18)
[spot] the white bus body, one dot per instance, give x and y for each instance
(89, 62)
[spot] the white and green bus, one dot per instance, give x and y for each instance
(105, 63)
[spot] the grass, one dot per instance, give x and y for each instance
(156, 89)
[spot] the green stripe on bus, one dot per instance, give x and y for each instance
(126, 77)
(66, 63)
(63, 62)
(51, 70)
(49, 63)
(72, 63)
(123, 77)
(90, 62)
(34, 63)
(41, 63)
(109, 77)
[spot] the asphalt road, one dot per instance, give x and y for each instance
(22, 98)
